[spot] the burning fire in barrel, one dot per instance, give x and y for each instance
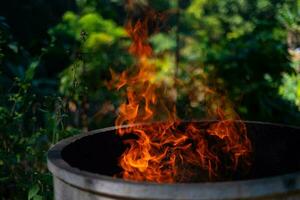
(152, 154)
(85, 167)
(163, 153)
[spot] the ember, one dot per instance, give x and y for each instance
(167, 152)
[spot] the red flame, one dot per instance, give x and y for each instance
(167, 152)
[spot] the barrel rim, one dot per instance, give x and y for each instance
(109, 186)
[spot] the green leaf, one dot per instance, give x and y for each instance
(38, 197)
(33, 192)
(163, 42)
(2, 179)
(31, 70)
(14, 47)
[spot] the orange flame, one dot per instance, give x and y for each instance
(167, 152)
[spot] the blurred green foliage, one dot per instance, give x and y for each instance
(103, 47)
(54, 73)
(290, 89)
(29, 125)
(244, 49)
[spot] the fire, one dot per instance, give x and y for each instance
(170, 151)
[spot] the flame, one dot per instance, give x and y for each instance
(169, 151)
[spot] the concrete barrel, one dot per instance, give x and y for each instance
(83, 165)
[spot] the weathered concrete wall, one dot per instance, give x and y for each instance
(65, 191)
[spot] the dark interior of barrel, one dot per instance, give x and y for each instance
(276, 151)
